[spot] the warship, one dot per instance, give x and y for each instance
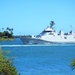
(50, 36)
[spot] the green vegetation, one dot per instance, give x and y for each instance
(6, 65)
(73, 64)
(6, 34)
(5, 39)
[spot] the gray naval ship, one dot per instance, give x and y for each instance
(50, 36)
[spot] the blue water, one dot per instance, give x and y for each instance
(12, 42)
(42, 59)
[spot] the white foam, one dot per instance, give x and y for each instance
(37, 45)
(19, 45)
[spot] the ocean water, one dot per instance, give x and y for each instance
(41, 59)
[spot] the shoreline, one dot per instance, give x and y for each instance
(6, 39)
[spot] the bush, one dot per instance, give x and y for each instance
(6, 66)
(73, 64)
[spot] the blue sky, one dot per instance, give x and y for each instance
(30, 17)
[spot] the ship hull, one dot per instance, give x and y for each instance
(34, 41)
(30, 41)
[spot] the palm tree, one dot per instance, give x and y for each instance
(10, 29)
(2, 29)
(7, 28)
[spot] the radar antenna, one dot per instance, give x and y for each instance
(52, 24)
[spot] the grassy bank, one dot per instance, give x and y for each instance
(6, 39)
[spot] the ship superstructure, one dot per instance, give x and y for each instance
(49, 35)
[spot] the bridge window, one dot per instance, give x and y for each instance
(65, 37)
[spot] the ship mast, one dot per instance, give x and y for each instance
(52, 24)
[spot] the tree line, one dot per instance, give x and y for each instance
(7, 33)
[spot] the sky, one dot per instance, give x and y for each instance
(30, 17)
